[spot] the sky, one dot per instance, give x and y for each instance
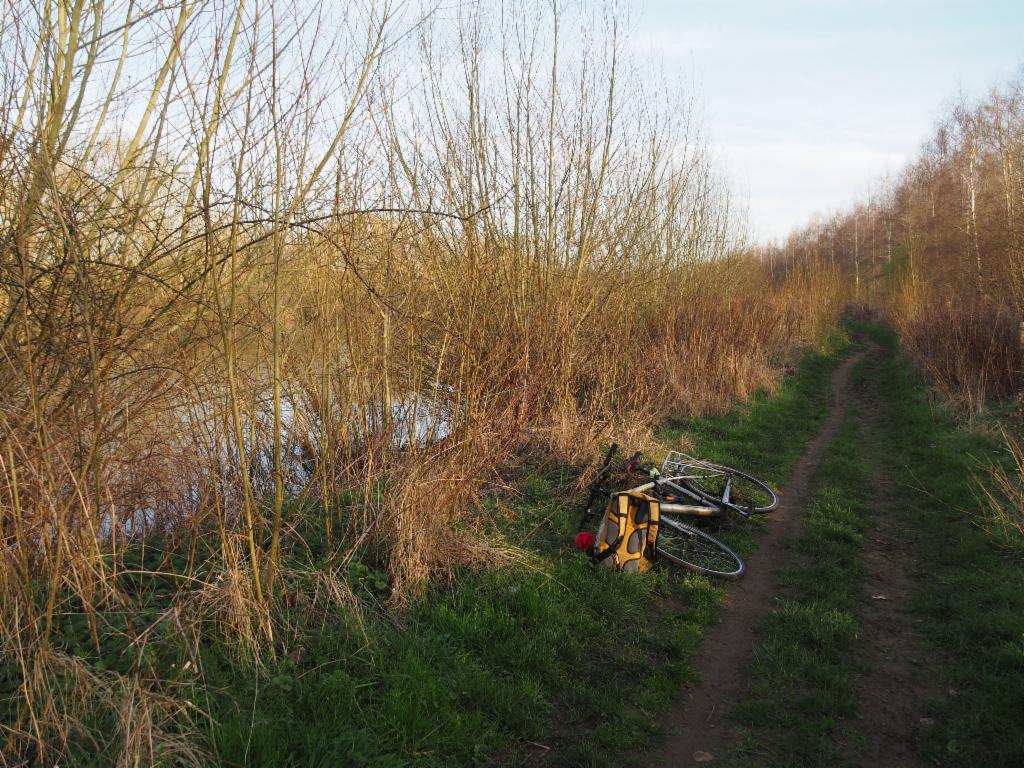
(809, 103)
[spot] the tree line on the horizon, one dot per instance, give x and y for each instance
(940, 248)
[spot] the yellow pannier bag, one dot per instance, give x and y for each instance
(628, 536)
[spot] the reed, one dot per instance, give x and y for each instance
(1004, 494)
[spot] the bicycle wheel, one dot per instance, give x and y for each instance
(691, 548)
(746, 492)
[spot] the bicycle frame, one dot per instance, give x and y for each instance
(700, 509)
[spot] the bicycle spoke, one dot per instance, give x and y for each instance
(692, 548)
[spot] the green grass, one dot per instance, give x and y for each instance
(970, 597)
(467, 675)
(803, 669)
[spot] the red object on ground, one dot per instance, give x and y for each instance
(585, 540)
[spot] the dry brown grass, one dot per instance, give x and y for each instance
(1004, 495)
(345, 296)
(970, 352)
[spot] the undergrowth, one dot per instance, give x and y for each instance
(274, 312)
(497, 666)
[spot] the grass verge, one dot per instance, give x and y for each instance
(972, 598)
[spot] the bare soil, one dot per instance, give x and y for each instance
(699, 726)
(897, 683)
(898, 679)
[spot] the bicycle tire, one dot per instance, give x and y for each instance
(707, 480)
(697, 551)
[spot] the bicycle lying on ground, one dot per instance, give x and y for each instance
(687, 486)
(717, 489)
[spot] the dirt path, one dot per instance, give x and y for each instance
(898, 679)
(894, 689)
(698, 725)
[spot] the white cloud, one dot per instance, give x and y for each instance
(789, 178)
(810, 103)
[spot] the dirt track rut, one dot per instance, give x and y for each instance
(698, 725)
